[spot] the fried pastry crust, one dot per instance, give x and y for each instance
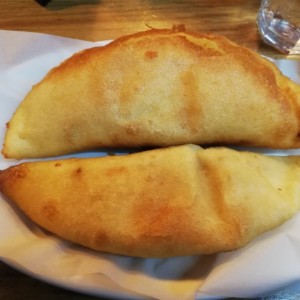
(157, 88)
(159, 203)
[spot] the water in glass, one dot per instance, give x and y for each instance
(279, 24)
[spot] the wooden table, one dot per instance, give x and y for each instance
(97, 20)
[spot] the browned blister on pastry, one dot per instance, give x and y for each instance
(157, 88)
(160, 203)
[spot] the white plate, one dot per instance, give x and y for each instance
(248, 272)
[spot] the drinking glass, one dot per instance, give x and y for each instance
(279, 24)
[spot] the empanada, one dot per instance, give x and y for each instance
(157, 88)
(159, 203)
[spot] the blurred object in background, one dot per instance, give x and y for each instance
(279, 24)
(43, 2)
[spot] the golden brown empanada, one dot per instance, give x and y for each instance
(160, 203)
(157, 88)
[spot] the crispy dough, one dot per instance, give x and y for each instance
(160, 203)
(157, 88)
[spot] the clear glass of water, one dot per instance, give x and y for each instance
(279, 24)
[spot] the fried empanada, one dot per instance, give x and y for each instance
(159, 203)
(157, 88)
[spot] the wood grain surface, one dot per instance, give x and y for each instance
(96, 20)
